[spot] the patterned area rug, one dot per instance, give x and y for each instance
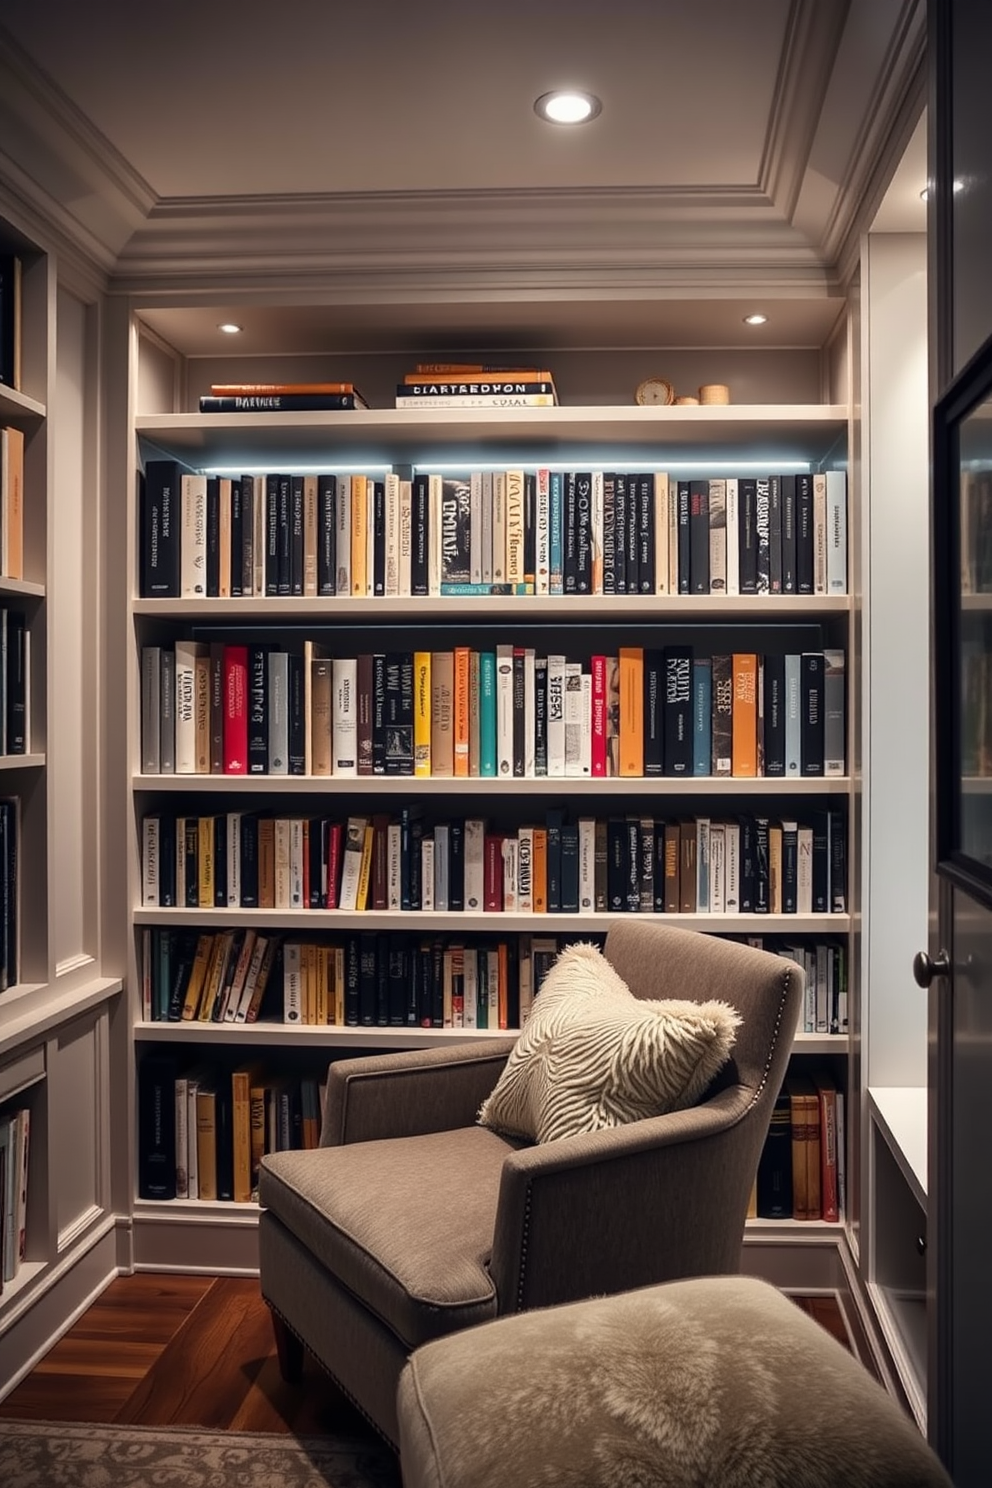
(62, 1454)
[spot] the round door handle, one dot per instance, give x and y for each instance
(926, 968)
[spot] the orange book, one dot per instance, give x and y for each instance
(359, 536)
(249, 389)
(539, 870)
(502, 957)
(459, 371)
(12, 506)
(242, 1080)
(442, 713)
(744, 723)
(267, 863)
(461, 719)
(631, 710)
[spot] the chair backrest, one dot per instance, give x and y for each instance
(660, 961)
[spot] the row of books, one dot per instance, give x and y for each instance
(10, 815)
(389, 979)
(11, 503)
(505, 713)
(801, 1172)
(15, 652)
(203, 1130)
(15, 1128)
(515, 531)
(632, 864)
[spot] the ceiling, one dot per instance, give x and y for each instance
(385, 159)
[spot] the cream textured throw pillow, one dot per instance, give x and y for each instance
(593, 1055)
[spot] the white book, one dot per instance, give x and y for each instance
(499, 527)
(283, 876)
(277, 703)
(836, 505)
(510, 874)
(542, 532)
(804, 870)
(344, 716)
(587, 864)
(819, 533)
(181, 1118)
(596, 534)
(504, 710)
(406, 536)
(296, 863)
(151, 709)
(392, 524)
(470, 987)
(292, 982)
(733, 538)
(556, 716)
(442, 863)
(241, 969)
(427, 873)
(834, 712)
(718, 536)
(525, 977)
(167, 709)
(702, 865)
(718, 869)
(793, 717)
(187, 653)
(233, 825)
(475, 864)
(585, 727)
(529, 713)
(525, 870)
(514, 528)
(342, 534)
(351, 861)
(661, 531)
(673, 537)
(486, 541)
(573, 719)
(150, 842)
(492, 990)
(193, 536)
(192, 1147)
(258, 955)
(369, 533)
(435, 485)
(732, 868)
(475, 527)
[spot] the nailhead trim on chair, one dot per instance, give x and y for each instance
(393, 1446)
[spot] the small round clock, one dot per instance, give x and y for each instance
(654, 391)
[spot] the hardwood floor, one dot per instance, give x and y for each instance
(163, 1350)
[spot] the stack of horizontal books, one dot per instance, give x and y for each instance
(281, 397)
(441, 385)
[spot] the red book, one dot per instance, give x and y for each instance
(492, 885)
(332, 857)
(827, 1094)
(599, 720)
(380, 860)
(235, 710)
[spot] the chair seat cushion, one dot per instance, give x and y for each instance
(406, 1225)
(720, 1380)
(592, 1055)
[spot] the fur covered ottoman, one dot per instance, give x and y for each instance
(720, 1381)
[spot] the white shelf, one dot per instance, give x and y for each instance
(315, 1035)
(22, 761)
(420, 921)
(14, 404)
(21, 589)
(472, 785)
(443, 608)
(900, 1113)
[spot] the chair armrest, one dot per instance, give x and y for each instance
(408, 1094)
(651, 1201)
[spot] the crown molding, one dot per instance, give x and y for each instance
(813, 33)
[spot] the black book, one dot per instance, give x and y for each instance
(654, 712)
(837, 826)
(378, 536)
(811, 712)
(774, 535)
(569, 565)
(326, 535)
(251, 496)
(315, 838)
(617, 864)
(160, 529)
(279, 402)
(569, 868)
(790, 867)
(763, 533)
(774, 1179)
(747, 523)
(583, 533)
(678, 710)
(804, 534)
(540, 715)
(788, 502)
(620, 514)
(296, 500)
(167, 860)
(554, 821)
(761, 865)
(17, 683)
(352, 978)
(722, 729)
(519, 712)
(399, 713)
(379, 713)
(748, 865)
(224, 1116)
(645, 533)
(684, 566)
(609, 533)
(296, 714)
(820, 823)
(411, 836)
(456, 864)
(400, 980)
(220, 862)
(699, 537)
(284, 534)
(773, 674)
(382, 990)
(272, 534)
(420, 535)
(213, 536)
(238, 488)
(366, 978)
(437, 984)
(632, 892)
(157, 1127)
(633, 501)
(258, 712)
(191, 862)
(249, 860)
(183, 951)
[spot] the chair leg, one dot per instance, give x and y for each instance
(289, 1350)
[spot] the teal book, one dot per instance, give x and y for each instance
(487, 713)
(702, 715)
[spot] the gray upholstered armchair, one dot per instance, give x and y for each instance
(412, 1220)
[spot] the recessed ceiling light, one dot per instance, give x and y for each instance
(229, 328)
(756, 319)
(567, 106)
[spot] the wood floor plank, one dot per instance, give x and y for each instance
(60, 1397)
(202, 1376)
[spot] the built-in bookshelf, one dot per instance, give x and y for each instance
(681, 443)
